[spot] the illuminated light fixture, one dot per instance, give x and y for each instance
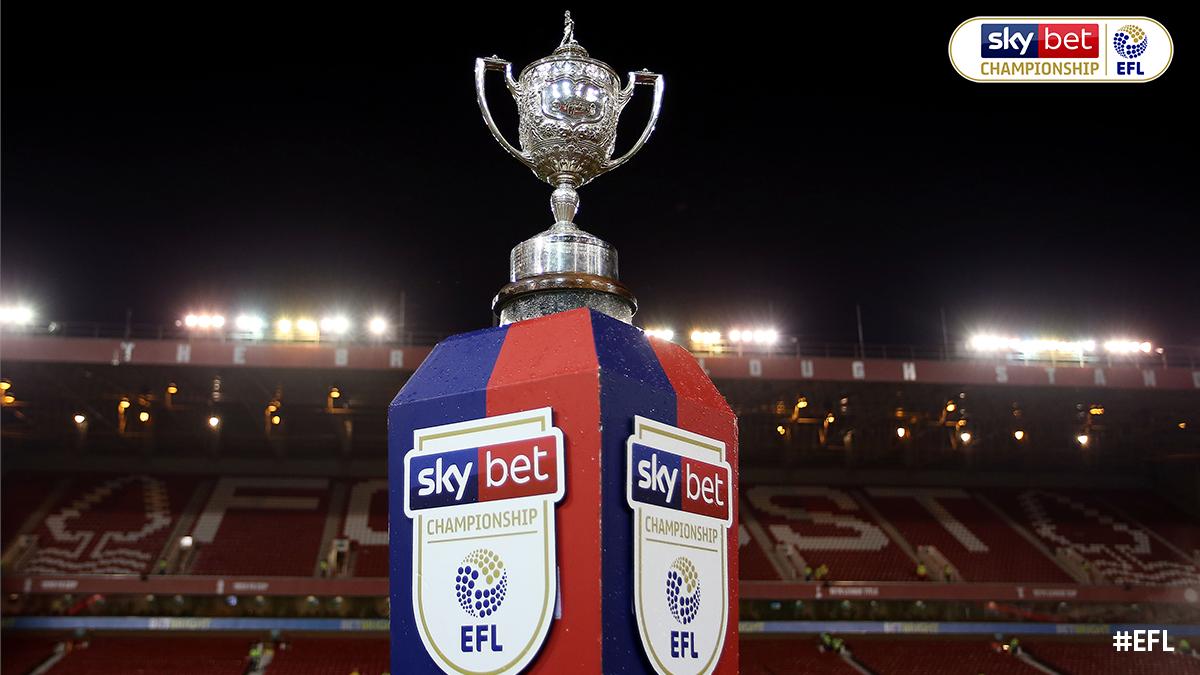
(1029, 347)
(79, 418)
(5, 385)
(334, 392)
(1082, 440)
(901, 432)
(249, 323)
(1183, 426)
(965, 437)
(9, 399)
(144, 416)
(276, 420)
(377, 325)
(271, 407)
(307, 326)
(338, 325)
(17, 315)
(1019, 434)
(802, 403)
(706, 337)
(661, 333)
(829, 418)
(123, 405)
(950, 407)
(284, 326)
(759, 336)
(186, 541)
(204, 321)
(172, 389)
(780, 430)
(1096, 410)
(214, 422)
(1128, 346)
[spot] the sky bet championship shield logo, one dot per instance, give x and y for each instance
(481, 495)
(678, 485)
(1061, 49)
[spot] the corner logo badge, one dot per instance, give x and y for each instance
(1061, 49)
(679, 486)
(481, 495)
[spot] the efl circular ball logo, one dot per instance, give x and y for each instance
(481, 583)
(1130, 41)
(683, 590)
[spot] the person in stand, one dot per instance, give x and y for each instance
(922, 573)
(808, 572)
(948, 573)
(822, 571)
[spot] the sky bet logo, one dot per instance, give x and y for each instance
(662, 478)
(1040, 41)
(523, 468)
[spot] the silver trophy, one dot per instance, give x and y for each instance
(568, 104)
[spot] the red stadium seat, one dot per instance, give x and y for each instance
(921, 656)
(1097, 657)
(112, 525)
(157, 654)
(1120, 550)
(793, 656)
(977, 541)
(332, 656)
(262, 526)
(366, 526)
(828, 527)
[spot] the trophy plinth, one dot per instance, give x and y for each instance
(568, 105)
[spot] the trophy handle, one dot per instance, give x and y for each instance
(481, 68)
(643, 77)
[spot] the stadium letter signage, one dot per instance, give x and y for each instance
(678, 485)
(481, 495)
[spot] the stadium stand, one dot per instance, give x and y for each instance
(331, 656)
(366, 526)
(23, 494)
(1119, 551)
(829, 527)
(1162, 518)
(977, 542)
(109, 525)
(262, 526)
(151, 655)
(793, 656)
(20, 653)
(935, 657)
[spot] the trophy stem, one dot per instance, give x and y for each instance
(564, 203)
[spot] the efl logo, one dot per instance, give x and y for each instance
(1061, 49)
(1044, 41)
(482, 495)
(680, 489)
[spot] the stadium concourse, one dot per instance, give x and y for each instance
(192, 505)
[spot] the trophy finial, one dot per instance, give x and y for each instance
(568, 29)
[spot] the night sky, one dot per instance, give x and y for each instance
(307, 161)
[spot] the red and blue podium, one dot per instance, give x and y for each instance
(563, 499)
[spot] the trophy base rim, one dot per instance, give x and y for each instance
(550, 293)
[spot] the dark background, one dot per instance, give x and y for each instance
(301, 159)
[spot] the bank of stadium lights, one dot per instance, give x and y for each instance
(756, 336)
(249, 323)
(335, 325)
(16, 315)
(661, 333)
(204, 321)
(990, 343)
(377, 326)
(706, 337)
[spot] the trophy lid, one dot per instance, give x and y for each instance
(569, 46)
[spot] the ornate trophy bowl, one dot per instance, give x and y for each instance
(568, 105)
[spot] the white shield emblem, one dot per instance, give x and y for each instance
(481, 495)
(678, 485)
